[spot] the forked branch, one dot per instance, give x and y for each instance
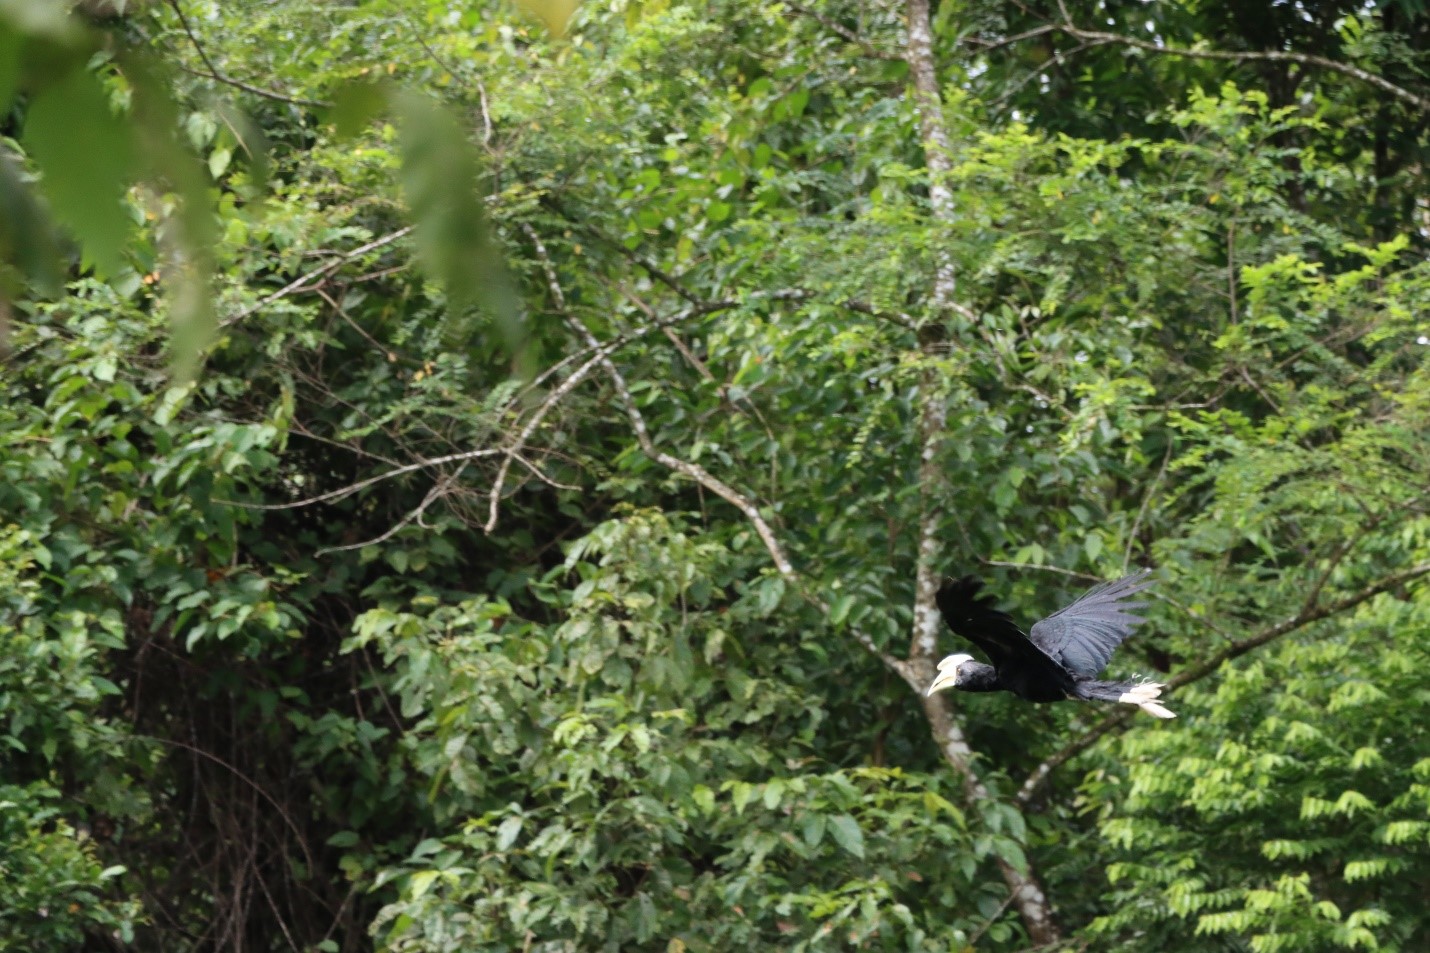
(694, 471)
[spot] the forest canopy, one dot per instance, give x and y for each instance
(476, 476)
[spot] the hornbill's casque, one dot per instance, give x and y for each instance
(1059, 658)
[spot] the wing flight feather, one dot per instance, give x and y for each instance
(974, 617)
(1083, 636)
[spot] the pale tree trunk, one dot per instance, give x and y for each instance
(1028, 897)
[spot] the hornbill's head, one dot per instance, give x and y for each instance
(948, 673)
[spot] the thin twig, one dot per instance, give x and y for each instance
(342, 312)
(292, 825)
(214, 73)
(972, 941)
(600, 353)
(903, 320)
(438, 490)
(989, 46)
(273, 906)
(1087, 576)
(1142, 510)
(352, 488)
(316, 273)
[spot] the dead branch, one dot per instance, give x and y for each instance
(1086, 576)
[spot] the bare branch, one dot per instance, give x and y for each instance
(514, 447)
(1307, 616)
(486, 114)
(903, 320)
(342, 312)
(655, 271)
(439, 489)
(1060, 57)
(541, 475)
(1086, 576)
(989, 46)
(352, 488)
(1314, 596)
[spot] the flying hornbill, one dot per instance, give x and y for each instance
(1059, 658)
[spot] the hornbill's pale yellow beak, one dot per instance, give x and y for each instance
(947, 675)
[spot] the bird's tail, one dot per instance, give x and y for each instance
(1142, 694)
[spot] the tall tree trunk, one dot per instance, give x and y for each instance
(1027, 893)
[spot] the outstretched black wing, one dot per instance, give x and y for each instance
(1084, 635)
(974, 617)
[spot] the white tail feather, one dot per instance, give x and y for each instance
(1145, 696)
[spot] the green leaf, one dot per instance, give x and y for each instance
(1092, 546)
(10, 46)
(508, 832)
(847, 834)
(812, 829)
(27, 240)
(219, 160)
(420, 883)
(442, 180)
(84, 177)
(355, 105)
(554, 13)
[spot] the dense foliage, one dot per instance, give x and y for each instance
(533, 562)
